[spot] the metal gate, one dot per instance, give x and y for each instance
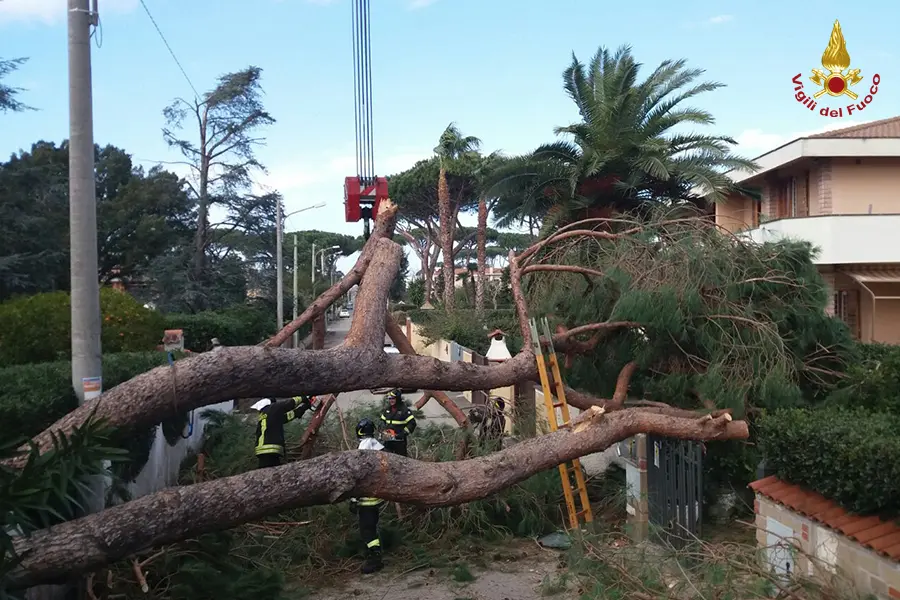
(675, 489)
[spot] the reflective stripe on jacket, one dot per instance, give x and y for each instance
(400, 419)
(270, 424)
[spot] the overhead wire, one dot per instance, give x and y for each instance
(169, 48)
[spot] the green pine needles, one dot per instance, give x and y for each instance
(723, 322)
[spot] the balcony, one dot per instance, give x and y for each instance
(841, 239)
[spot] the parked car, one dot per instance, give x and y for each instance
(344, 314)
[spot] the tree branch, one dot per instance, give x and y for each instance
(384, 229)
(405, 347)
(562, 269)
(622, 382)
(89, 543)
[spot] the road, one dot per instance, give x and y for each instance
(434, 414)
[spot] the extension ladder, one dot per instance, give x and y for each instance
(571, 470)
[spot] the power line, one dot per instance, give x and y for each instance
(172, 52)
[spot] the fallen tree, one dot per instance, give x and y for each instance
(177, 513)
(359, 363)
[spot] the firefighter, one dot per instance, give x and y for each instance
(398, 422)
(270, 427)
(367, 509)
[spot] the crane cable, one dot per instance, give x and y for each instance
(362, 92)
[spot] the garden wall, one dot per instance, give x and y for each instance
(804, 532)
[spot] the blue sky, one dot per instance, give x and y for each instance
(492, 66)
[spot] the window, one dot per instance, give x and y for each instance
(787, 199)
(846, 304)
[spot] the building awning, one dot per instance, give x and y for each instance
(872, 276)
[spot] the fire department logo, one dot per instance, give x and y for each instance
(836, 80)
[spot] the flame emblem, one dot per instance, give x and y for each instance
(836, 60)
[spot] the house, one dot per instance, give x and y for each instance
(839, 190)
(491, 274)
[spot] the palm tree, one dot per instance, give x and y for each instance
(452, 146)
(630, 149)
(487, 167)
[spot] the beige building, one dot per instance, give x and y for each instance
(839, 190)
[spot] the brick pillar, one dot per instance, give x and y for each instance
(802, 196)
(769, 199)
(823, 185)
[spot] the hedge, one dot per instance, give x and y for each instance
(851, 456)
(467, 328)
(34, 396)
(239, 326)
(37, 329)
(873, 382)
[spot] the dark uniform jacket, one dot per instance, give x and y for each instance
(270, 427)
(400, 419)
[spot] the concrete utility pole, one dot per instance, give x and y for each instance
(312, 276)
(86, 358)
(279, 264)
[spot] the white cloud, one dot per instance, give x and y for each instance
(719, 19)
(756, 142)
(417, 4)
(51, 12)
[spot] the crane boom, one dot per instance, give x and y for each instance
(364, 191)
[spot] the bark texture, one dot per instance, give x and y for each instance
(481, 258)
(445, 212)
(89, 543)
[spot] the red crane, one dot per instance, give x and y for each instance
(365, 190)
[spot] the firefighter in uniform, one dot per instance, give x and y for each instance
(398, 422)
(368, 508)
(270, 428)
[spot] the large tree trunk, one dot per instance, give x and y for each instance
(481, 259)
(318, 333)
(446, 216)
(91, 542)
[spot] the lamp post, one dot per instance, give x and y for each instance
(321, 251)
(280, 218)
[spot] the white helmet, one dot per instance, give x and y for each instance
(262, 404)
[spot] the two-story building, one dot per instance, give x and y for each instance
(839, 190)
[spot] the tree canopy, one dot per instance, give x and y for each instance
(628, 150)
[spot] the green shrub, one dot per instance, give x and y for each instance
(872, 382)
(238, 326)
(33, 397)
(468, 329)
(848, 455)
(36, 329)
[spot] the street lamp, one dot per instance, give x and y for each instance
(322, 252)
(280, 217)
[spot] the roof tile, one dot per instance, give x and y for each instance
(884, 128)
(871, 532)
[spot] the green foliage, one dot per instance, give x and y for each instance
(237, 326)
(851, 456)
(8, 100)
(468, 328)
(141, 216)
(415, 292)
(872, 381)
(36, 329)
(624, 153)
(51, 487)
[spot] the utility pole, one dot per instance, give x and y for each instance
(85, 296)
(279, 264)
(296, 294)
(313, 270)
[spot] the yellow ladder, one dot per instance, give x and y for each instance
(570, 470)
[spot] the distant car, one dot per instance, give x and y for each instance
(391, 349)
(344, 314)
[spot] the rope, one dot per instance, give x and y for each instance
(171, 358)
